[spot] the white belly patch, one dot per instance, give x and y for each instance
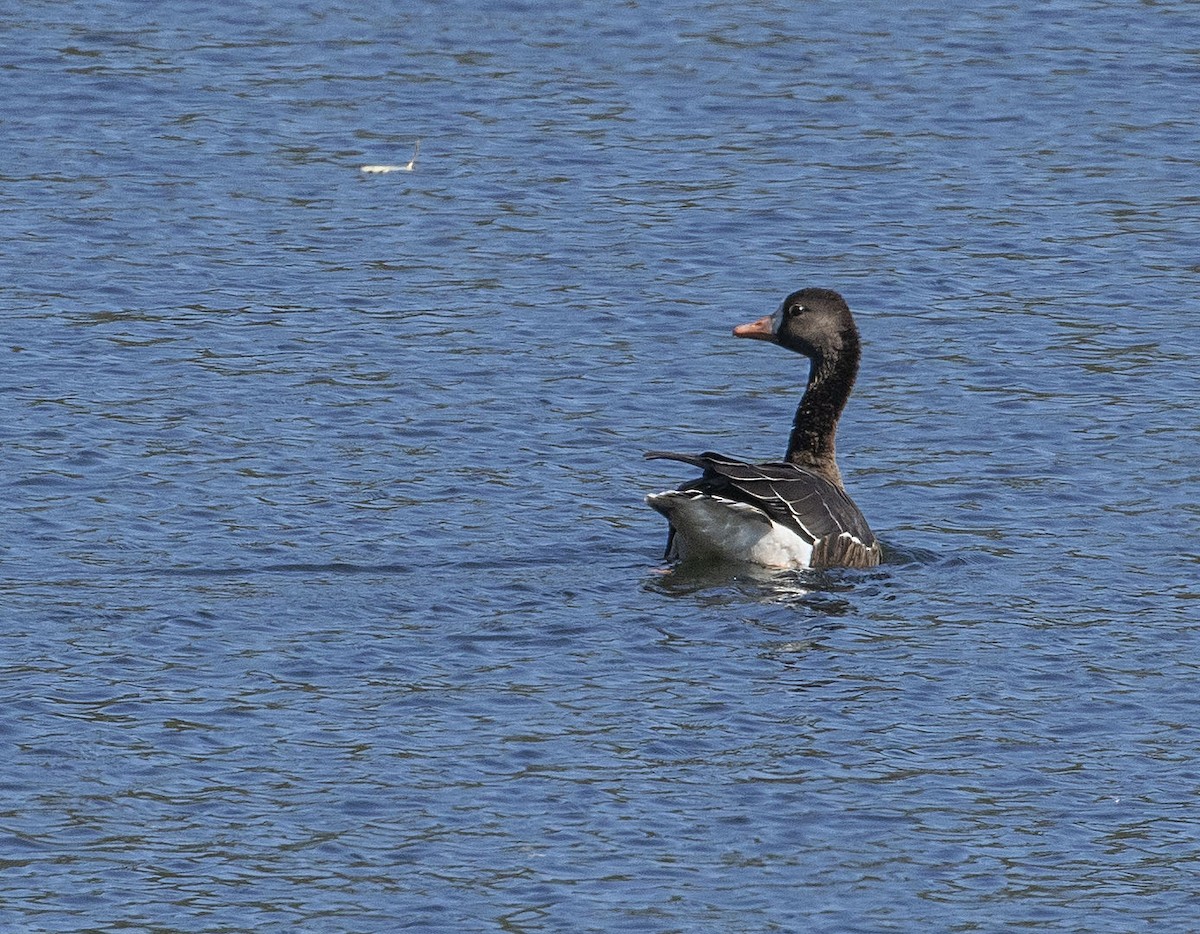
(724, 529)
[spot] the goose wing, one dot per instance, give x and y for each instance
(813, 507)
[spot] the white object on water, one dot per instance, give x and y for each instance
(381, 169)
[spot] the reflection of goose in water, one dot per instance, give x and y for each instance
(380, 169)
(794, 514)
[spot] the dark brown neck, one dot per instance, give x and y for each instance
(814, 429)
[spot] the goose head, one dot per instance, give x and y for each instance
(813, 322)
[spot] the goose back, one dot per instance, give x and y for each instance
(802, 501)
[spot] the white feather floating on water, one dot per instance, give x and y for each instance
(383, 169)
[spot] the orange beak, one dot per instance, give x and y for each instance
(763, 329)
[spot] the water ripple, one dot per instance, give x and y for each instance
(329, 595)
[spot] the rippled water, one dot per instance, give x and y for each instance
(329, 599)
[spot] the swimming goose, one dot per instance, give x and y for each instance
(793, 514)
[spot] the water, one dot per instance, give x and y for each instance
(329, 599)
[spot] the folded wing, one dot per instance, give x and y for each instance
(816, 509)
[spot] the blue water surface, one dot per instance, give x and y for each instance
(328, 599)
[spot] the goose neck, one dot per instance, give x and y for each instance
(812, 443)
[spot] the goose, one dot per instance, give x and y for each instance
(789, 514)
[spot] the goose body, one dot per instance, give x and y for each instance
(789, 514)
